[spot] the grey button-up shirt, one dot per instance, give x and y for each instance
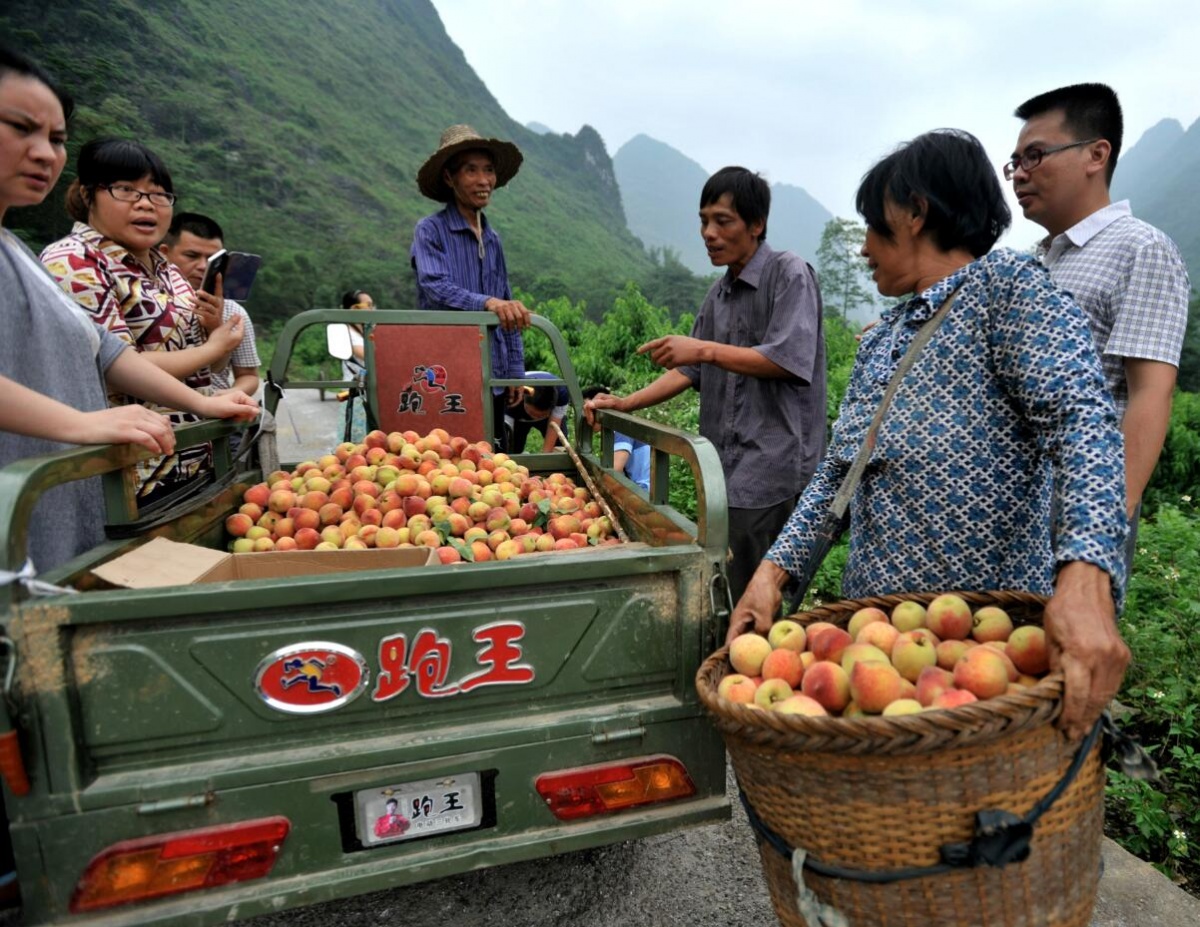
(769, 433)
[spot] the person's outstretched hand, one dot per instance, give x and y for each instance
(131, 424)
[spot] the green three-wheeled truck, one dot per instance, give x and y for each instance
(169, 757)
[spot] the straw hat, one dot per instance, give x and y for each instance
(505, 155)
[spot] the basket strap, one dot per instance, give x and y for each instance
(1000, 836)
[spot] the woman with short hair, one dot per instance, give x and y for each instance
(998, 463)
(122, 203)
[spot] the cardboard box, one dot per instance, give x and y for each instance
(161, 562)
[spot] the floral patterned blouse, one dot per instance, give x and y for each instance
(137, 305)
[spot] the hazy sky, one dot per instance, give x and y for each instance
(813, 93)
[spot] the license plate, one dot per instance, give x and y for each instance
(416, 809)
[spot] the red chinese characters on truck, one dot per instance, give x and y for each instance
(427, 662)
(319, 676)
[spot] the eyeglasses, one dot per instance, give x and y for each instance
(1032, 157)
(124, 194)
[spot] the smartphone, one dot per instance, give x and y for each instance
(237, 271)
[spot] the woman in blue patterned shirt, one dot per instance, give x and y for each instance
(1005, 404)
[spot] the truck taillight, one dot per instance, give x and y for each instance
(591, 790)
(167, 864)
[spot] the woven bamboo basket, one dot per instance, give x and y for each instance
(881, 794)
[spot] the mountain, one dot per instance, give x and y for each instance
(538, 128)
(300, 125)
(660, 187)
(1160, 176)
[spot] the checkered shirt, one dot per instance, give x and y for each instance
(1131, 282)
(1006, 398)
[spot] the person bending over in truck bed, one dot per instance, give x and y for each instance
(457, 255)
(111, 266)
(54, 362)
(757, 357)
(536, 407)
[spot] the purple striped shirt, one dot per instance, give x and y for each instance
(456, 270)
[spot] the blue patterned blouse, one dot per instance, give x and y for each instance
(1006, 400)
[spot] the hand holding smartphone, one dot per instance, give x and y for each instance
(237, 271)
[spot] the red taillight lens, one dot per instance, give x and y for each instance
(167, 864)
(590, 790)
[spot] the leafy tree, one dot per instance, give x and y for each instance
(845, 286)
(670, 283)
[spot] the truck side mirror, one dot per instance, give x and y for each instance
(337, 341)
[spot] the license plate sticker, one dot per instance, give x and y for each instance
(417, 809)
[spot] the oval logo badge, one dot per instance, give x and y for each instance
(311, 677)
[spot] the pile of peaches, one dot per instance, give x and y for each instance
(402, 489)
(916, 659)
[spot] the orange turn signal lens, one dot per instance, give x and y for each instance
(167, 864)
(589, 790)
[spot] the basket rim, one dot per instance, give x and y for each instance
(977, 723)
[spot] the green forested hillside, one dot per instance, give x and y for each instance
(300, 125)
(1160, 176)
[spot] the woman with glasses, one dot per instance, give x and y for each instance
(54, 362)
(122, 203)
(997, 463)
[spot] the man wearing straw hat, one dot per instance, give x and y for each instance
(457, 255)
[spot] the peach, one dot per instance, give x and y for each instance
(856, 651)
(238, 525)
(314, 499)
(948, 652)
(286, 544)
(953, 698)
(367, 533)
(908, 616)
(903, 706)
(258, 531)
(242, 546)
(874, 685)
(355, 543)
(497, 520)
(330, 513)
(545, 542)
(828, 685)
(506, 550)
(419, 523)
(460, 488)
(387, 537)
(799, 705)
(448, 554)
(480, 551)
(828, 643)
(770, 692)
(393, 519)
(747, 653)
(342, 496)
(913, 655)
(784, 634)
(999, 647)
(263, 544)
(363, 503)
(252, 511)
(737, 687)
(863, 617)
(785, 665)
(982, 672)
(372, 517)
(278, 476)
(932, 682)
(566, 544)
(307, 538)
(428, 538)
(284, 528)
(414, 505)
(879, 634)
(281, 500)
(1028, 651)
(991, 623)
(949, 617)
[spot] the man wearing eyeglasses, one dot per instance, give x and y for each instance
(1126, 275)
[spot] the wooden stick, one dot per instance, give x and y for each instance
(621, 535)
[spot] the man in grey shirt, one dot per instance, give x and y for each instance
(757, 355)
